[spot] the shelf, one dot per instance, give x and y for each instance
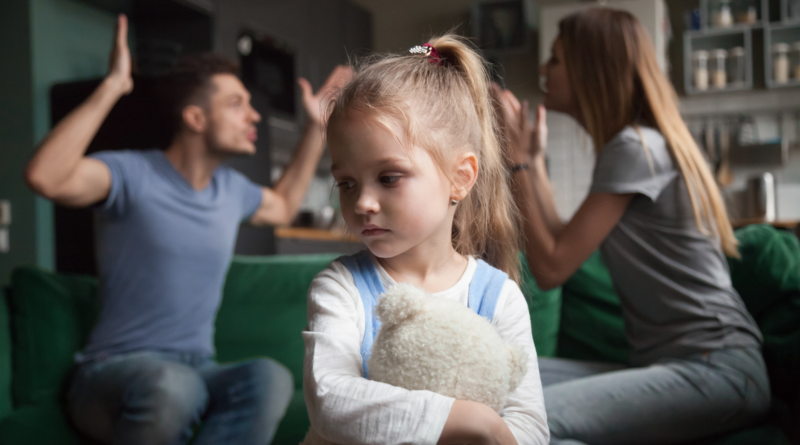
(780, 33)
(774, 25)
(706, 16)
(794, 83)
(726, 39)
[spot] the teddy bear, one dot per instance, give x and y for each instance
(435, 344)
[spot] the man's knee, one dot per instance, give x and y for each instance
(166, 394)
(272, 381)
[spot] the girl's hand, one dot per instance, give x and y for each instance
(316, 105)
(524, 140)
(474, 423)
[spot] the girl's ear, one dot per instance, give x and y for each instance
(194, 117)
(465, 176)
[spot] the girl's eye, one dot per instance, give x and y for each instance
(389, 179)
(345, 185)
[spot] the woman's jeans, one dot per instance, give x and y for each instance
(160, 398)
(672, 401)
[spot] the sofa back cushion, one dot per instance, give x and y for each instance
(767, 277)
(591, 316)
(51, 318)
(545, 311)
(263, 309)
(5, 357)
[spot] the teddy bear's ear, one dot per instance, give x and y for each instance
(399, 303)
(518, 363)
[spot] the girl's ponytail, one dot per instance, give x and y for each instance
(487, 221)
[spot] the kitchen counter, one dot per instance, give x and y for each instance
(783, 224)
(303, 240)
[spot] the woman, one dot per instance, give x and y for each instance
(658, 218)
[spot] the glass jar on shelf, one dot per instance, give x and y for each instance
(745, 11)
(700, 69)
(719, 75)
(795, 61)
(737, 68)
(721, 13)
(780, 63)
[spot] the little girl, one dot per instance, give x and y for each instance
(422, 183)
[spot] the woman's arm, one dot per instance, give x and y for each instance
(553, 255)
(525, 145)
(543, 194)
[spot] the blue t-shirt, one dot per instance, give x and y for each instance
(163, 249)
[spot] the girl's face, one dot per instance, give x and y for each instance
(559, 96)
(393, 199)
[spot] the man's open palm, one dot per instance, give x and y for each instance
(119, 63)
(316, 105)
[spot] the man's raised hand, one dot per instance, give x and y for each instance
(119, 65)
(316, 105)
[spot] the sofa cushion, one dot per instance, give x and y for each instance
(591, 316)
(44, 424)
(767, 277)
(545, 311)
(256, 289)
(51, 318)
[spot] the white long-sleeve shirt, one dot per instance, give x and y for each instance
(346, 408)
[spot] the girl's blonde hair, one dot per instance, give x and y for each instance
(445, 107)
(612, 66)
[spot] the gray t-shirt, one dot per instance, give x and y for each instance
(673, 281)
(162, 252)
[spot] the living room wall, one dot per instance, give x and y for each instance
(42, 42)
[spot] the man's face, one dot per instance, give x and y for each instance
(232, 121)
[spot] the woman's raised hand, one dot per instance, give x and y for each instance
(119, 65)
(524, 139)
(316, 105)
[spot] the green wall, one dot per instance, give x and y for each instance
(42, 42)
(16, 131)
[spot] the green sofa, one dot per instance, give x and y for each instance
(47, 318)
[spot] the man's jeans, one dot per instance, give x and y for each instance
(672, 401)
(159, 398)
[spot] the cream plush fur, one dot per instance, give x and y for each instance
(435, 344)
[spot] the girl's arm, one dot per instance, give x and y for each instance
(343, 406)
(475, 424)
(554, 251)
(524, 412)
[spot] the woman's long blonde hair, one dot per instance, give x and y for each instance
(446, 108)
(617, 82)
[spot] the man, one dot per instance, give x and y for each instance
(167, 222)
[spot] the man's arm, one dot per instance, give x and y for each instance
(280, 204)
(59, 170)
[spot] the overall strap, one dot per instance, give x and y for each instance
(484, 290)
(369, 289)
